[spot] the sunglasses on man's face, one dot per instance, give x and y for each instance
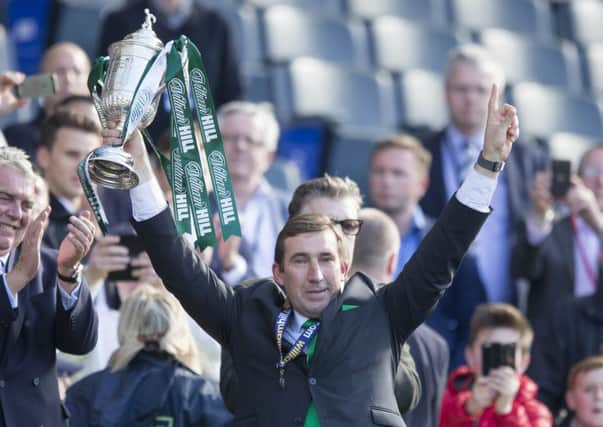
(351, 227)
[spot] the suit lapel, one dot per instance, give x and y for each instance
(512, 175)
(357, 292)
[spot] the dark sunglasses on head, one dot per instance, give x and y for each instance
(351, 227)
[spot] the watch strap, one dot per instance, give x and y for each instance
(74, 278)
(489, 165)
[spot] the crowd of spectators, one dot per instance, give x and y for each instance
(133, 335)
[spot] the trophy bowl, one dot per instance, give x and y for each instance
(111, 166)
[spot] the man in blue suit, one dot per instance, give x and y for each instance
(484, 275)
(44, 305)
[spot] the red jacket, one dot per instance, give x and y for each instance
(526, 412)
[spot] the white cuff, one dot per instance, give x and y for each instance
(477, 191)
(537, 231)
(14, 300)
(147, 200)
(70, 299)
(236, 274)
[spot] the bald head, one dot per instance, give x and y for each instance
(71, 65)
(377, 245)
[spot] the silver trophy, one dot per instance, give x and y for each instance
(110, 166)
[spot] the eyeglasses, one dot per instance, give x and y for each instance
(351, 227)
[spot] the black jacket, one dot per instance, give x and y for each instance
(151, 390)
(575, 332)
(352, 374)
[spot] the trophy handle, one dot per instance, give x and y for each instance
(96, 82)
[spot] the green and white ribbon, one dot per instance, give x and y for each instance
(183, 169)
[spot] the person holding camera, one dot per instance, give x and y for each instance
(560, 258)
(492, 389)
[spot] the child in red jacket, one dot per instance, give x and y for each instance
(492, 390)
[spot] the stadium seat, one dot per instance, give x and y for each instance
(581, 20)
(325, 7)
(417, 46)
(522, 16)
(423, 11)
(544, 111)
(527, 59)
(594, 67)
(292, 32)
(569, 146)
(422, 101)
(308, 88)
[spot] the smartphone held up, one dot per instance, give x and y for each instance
(37, 86)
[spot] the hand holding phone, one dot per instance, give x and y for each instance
(37, 86)
(135, 247)
(8, 101)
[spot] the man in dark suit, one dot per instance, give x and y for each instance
(376, 255)
(347, 375)
(560, 259)
(44, 305)
(203, 26)
(484, 275)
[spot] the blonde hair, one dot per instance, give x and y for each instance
(481, 58)
(153, 316)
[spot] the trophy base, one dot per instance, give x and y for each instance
(112, 167)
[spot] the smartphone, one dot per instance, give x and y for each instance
(560, 177)
(135, 247)
(37, 86)
(495, 355)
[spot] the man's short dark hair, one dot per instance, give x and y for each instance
(333, 187)
(306, 223)
(66, 119)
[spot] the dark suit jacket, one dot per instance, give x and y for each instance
(549, 267)
(453, 314)
(29, 337)
(352, 374)
(204, 27)
(430, 352)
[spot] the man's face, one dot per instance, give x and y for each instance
(473, 353)
(337, 209)
(467, 93)
(72, 68)
(586, 398)
(312, 272)
(592, 174)
(396, 180)
(60, 162)
(16, 203)
(247, 156)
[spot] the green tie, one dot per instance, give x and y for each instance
(311, 416)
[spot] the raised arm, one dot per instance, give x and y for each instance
(202, 294)
(414, 293)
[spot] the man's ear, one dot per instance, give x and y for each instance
(276, 273)
(392, 262)
(345, 268)
(570, 400)
(524, 362)
(424, 185)
(470, 357)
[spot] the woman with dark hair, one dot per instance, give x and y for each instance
(152, 378)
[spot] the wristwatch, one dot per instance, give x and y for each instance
(75, 277)
(487, 164)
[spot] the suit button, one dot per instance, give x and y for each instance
(312, 381)
(36, 381)
(2, 384)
